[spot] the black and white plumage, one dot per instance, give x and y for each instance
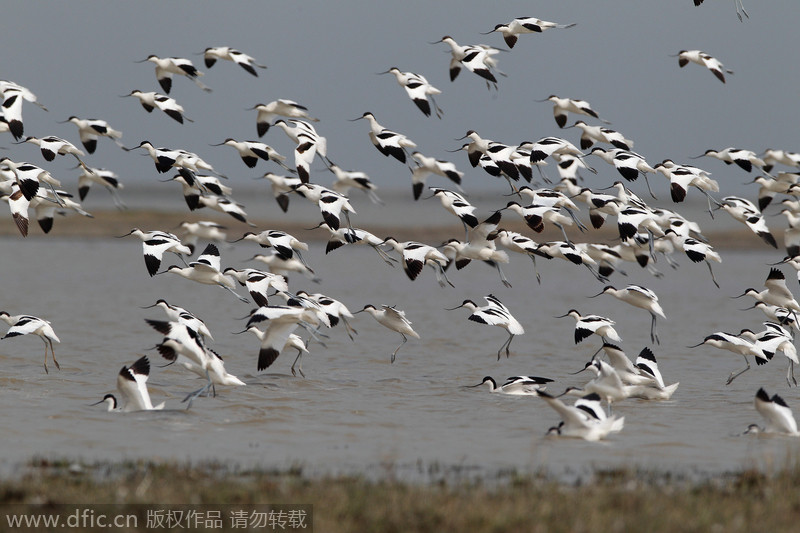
(155, 244)
(416, 255)
(563, 106)
(394, 319)
(102, 176)
(91, 129)
(281, 185)
(419, 89)
(746, 212)
(640, 297)
(257, 282)
(177, 313)
(167, 66)
(494, 313)
(206, 270)
(267, 113)
(308, 144)
(354, 179)
(777, 414)
(51, 146)
(457, 205)
(11, 98)
(31, 325)
(388, 142)
(212, 54)
(776, 338)
(704, 60)
(585, 419)
(517, 385)
(736, 4)
(251, 151)
(593, 134)
(132, 388)
(736, 344)
(281, 321)
(477, 58)
(152, 100)
(586, 325)
(332, 205)
(343, 236)
(430, 165)
(522, 25)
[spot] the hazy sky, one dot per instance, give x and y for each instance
(78, 57)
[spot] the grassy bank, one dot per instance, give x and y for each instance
(612, 501)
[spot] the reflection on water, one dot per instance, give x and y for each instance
(355, 411)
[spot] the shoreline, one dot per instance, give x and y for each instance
(113, 223)
(625, 499)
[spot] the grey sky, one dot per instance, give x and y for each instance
(78, 57)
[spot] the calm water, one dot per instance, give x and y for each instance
(356, 412)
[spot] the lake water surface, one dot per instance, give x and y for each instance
(355, 412)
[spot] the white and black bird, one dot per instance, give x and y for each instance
(206, 270)
(90, 129)
(151, 100)
(640, 297)
(394, 319)
(776, 413)
(478, 59)
(267, 113)
(430, 165)
(212, 54)
(280, 321)
(132, 388)
(155, 244)
(388, 142)
(251, 151)
(416, 255)
(585, 419)
(517, 385)
(354, 179)
(563, 106)
(736, 344)
(167, 66)
(522, 25)
(704, 60)
(31, 325)
(586, 325)
(51, 146)
(494, 313)
(419, 89)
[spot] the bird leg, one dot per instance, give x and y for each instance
(349, 329)
(53, 352)
(712, 274)
(438, 109)
(653, 334)
(441, 277)
(506, 345)
(502, 276)
(243, 299)
(648, 186)
(735, 375)
(300, 366)
(394, 353)
(790, 374)
(386, 257)
(563, 232)
(535, 269)
(192, 395)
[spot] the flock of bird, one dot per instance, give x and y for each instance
(643, 232)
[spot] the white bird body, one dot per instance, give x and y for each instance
(281, 323)
(589, 423)
(31, 325)
(167, 66)
(206, 270)
(394, 319)
(90, 129)
(430, 165)
(251, 151)
(267, 113)
(517, 385)
(151, 100)
(586, 325)
(155, 244)
(777, 414)
(212, 54)
(388, 142)
(640, 297)
(494, 313)
(704, 60)
(418, 89)
(562, 106)
(523, 25)
(132, 387)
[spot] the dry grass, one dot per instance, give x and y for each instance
(613, 501)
